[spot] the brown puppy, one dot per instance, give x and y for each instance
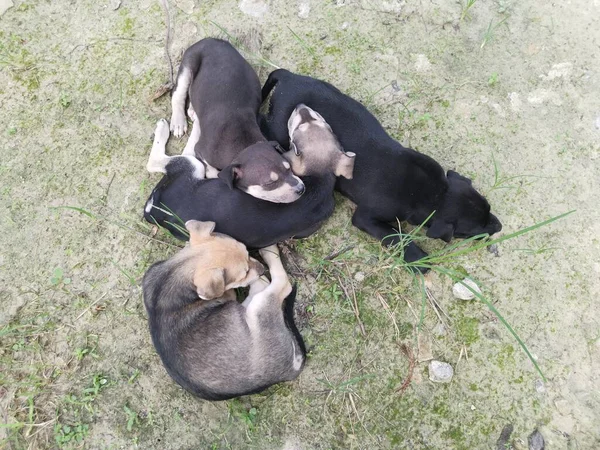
(210, 344)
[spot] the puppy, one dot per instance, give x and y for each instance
(210, 344)
(184, 194)
(391, 183)
(224, 93)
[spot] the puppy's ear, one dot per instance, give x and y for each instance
(231, 174)
(199, 230)
(210, 284)
(453, 174)
(441, 230)
(294, 148)
(345, 165)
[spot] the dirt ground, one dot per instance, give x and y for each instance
(503, 91)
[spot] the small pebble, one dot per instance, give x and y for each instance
(359, 276)
(440, 372)
(461, 292)
(439, 330)
(536, 441)
(539, 386)
(493, 249)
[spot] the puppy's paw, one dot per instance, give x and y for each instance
(178, 124)
(161, 132)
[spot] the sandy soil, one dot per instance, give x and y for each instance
(514, 82)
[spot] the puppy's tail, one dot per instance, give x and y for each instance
(288, 317)
(273, 79)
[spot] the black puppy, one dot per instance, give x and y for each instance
(184, 194)
(224, 94)
(390, 182)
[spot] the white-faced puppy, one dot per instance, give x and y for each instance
(183, 194)
(225, 97)
(391, 183)
(209, 343)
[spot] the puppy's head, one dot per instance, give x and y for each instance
(314, 149)
(222, 263)
(464, 212)
(262, 172)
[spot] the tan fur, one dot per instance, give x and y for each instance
(221, 263)
(314, 148)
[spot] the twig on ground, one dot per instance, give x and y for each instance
(165, 5)
(338, 253)
(89, 307)
(411, 367)
(354, 305)
(389, 313)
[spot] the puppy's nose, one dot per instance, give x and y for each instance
(300, 189)
(496, 225)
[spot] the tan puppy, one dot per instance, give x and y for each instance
(210, 344)
(321, 151)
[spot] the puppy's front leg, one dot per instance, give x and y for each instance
(158, 160)
(388, 235)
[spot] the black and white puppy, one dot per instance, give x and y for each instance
(184, 194)
(224, 94)
(209, 343)
(390, 182)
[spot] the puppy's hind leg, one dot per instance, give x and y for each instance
(193, 139)
(158, 160)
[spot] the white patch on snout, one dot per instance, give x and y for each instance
(286, 165)
(274, 176)
(283, 194)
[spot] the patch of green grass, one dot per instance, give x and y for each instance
(442, 260)
(491, 29)
(493, 79)
(466, 7)
(467, 329)
(68, 435)
(132, 416)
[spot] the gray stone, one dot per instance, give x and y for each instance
(460, 291)
(536, 441)
(254, 8)
(440, 372)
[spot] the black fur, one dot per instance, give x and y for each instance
(254, 222)
(390, 182)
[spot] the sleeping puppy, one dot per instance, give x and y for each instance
(184, 194)
(391, 183)
(213, 346)
(224, 94)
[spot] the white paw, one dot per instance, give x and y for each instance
(161, 132)
(178, 124)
